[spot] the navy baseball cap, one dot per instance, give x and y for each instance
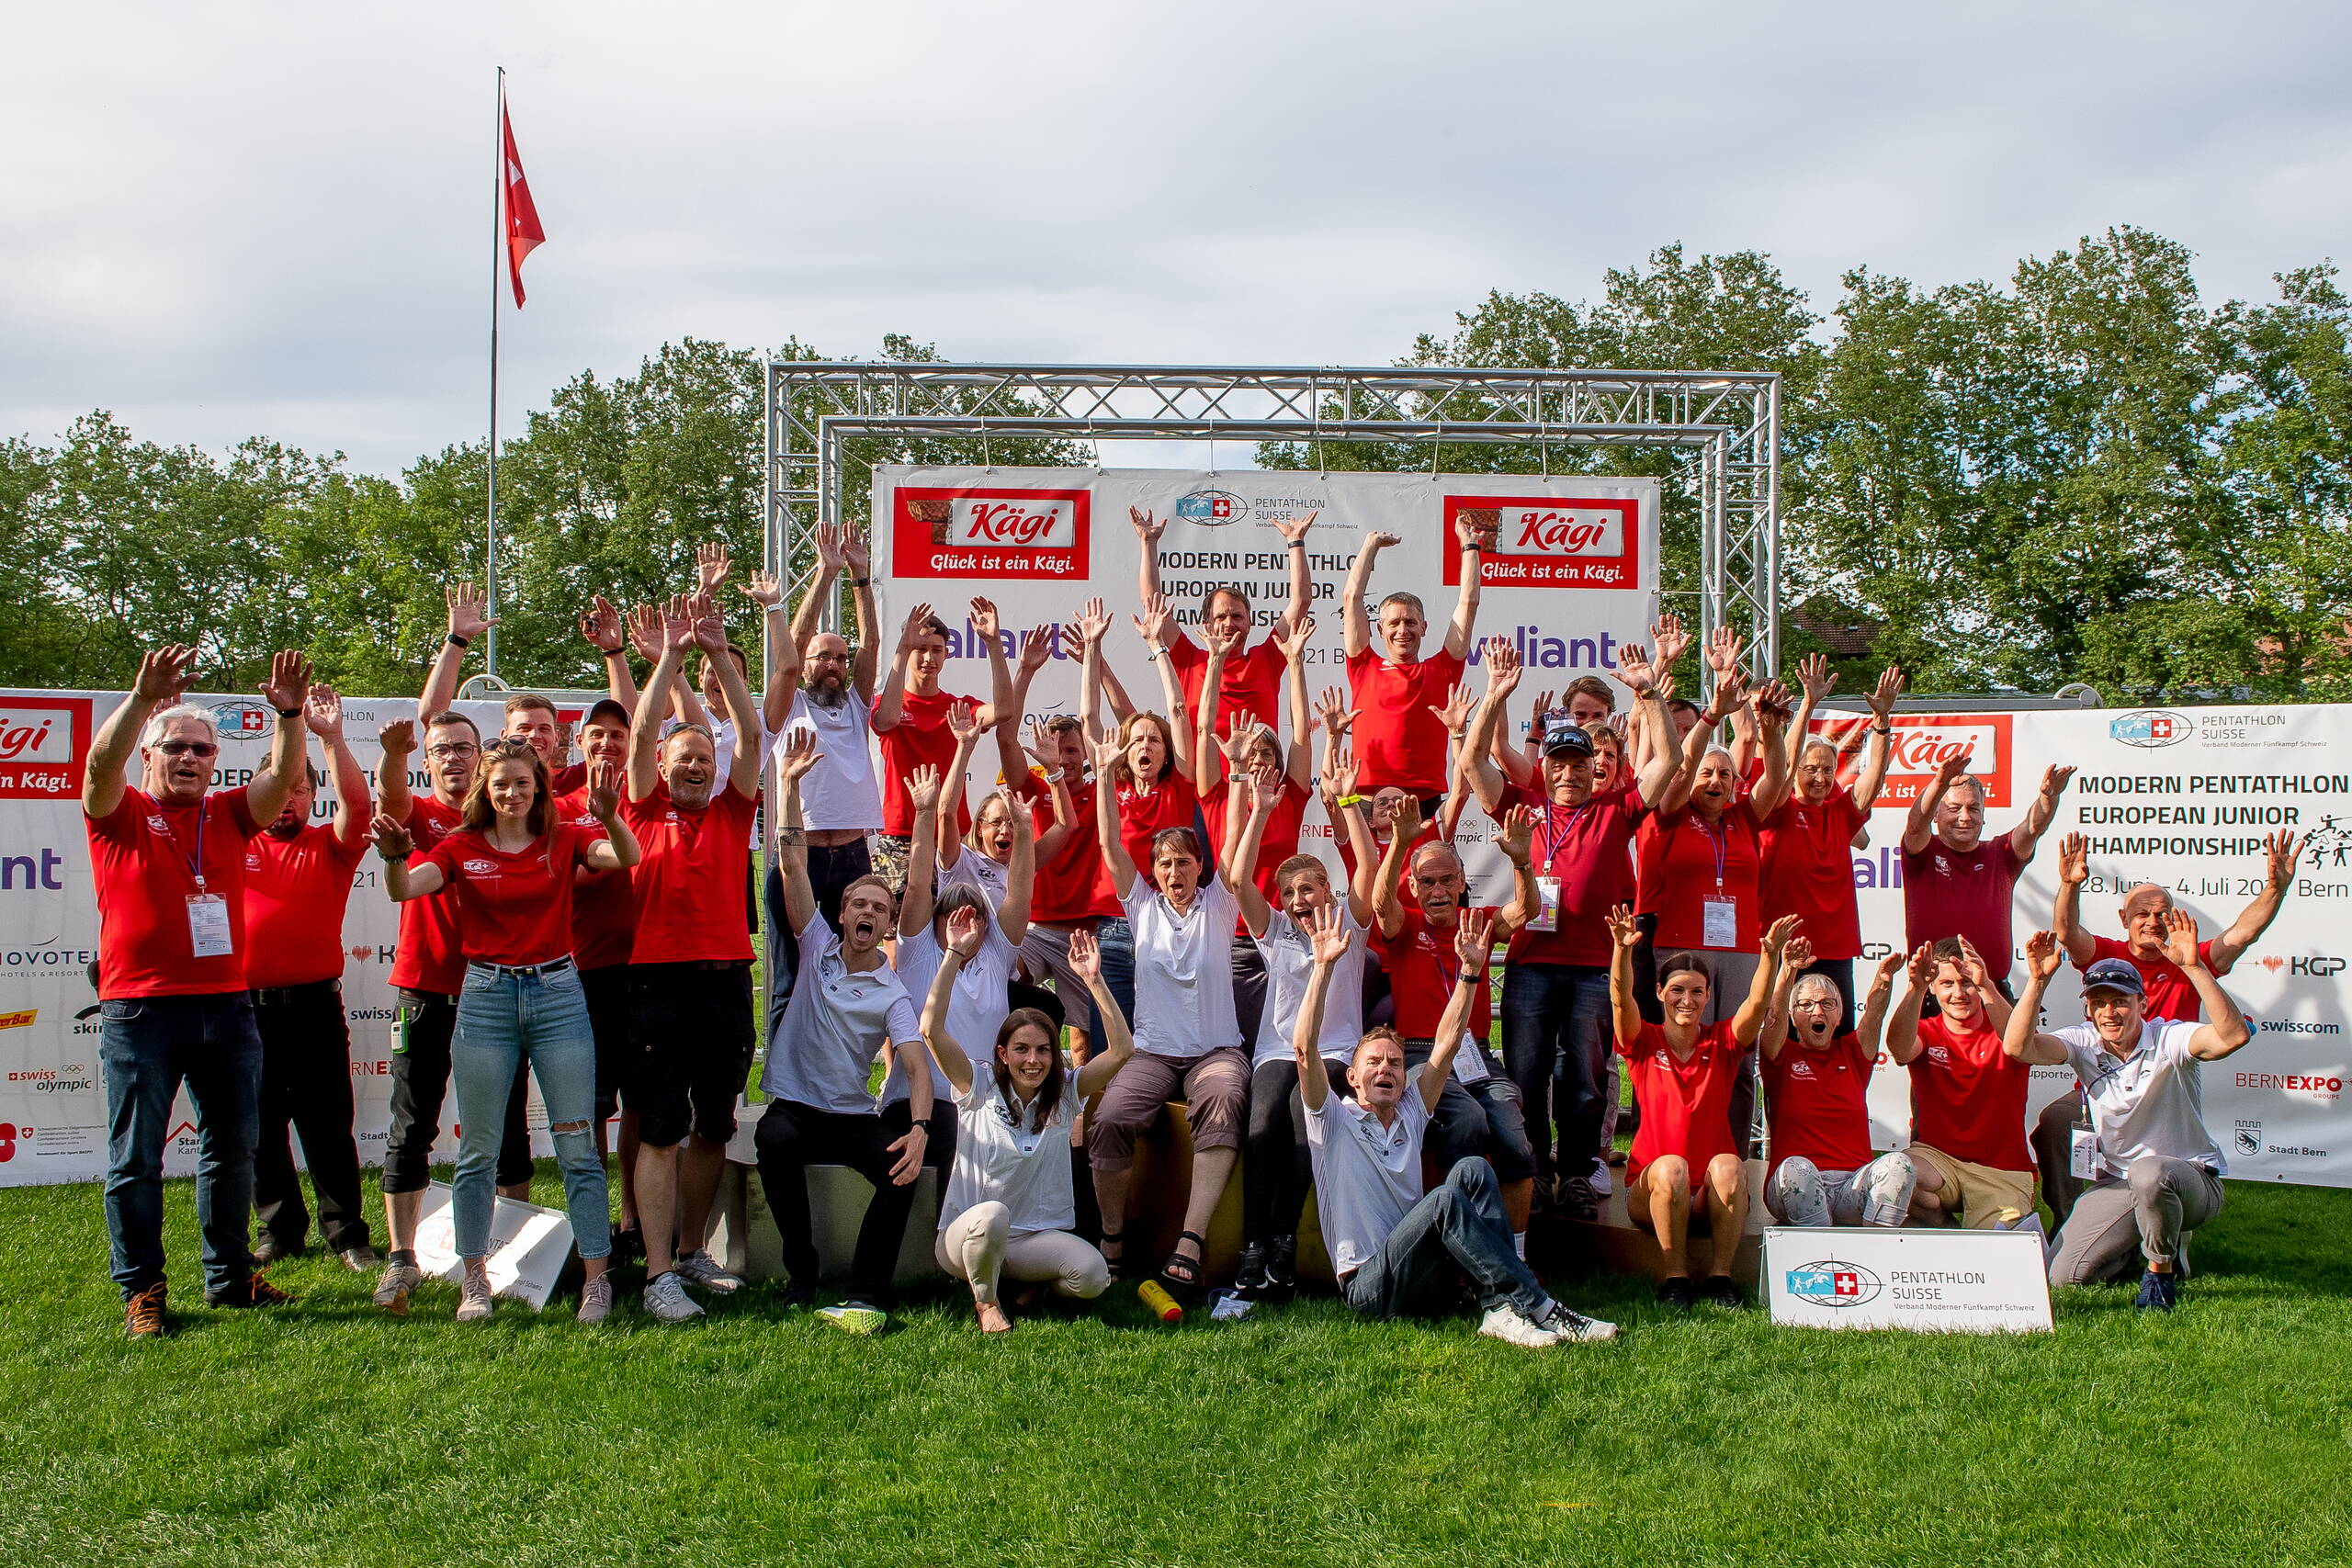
(609, 711)
(1566, 739)
(2114, 975)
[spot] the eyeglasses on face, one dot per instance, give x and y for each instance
(187, 748)
(450, 749)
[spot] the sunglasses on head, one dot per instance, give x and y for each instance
(187, 748)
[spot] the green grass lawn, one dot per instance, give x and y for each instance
(329, 1433)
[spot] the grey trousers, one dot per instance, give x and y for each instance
(2145, 1211)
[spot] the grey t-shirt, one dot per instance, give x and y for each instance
(2150, 1102)
(1366, 1176)
(836, 1023)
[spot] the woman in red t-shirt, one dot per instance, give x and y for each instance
(1683, 1072)
(509, 864)
(1151, 782)
(1817, 1088)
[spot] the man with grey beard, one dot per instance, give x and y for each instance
(821, 687)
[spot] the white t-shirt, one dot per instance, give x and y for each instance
(1026, 1170)
(974, 869)
(1366, 1176)
(976, 1008)
(1289, 955)
(2150, 1102)
(843, 792)
(836, 1023)
(1184, 971)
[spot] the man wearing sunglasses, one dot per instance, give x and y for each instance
(167, 856)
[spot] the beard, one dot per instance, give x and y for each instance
(828, 692)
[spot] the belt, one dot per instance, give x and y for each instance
(277, 995)
(704, 963)
(523, 971)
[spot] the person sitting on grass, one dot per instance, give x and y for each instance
(1683, 1071)
(1395, 1250)
(2159, 1171)
(1967, 1095)
(1010, 1206)
(1815, 1092)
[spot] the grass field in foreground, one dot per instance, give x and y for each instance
(326, 1433)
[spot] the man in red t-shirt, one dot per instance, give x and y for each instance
(1956, 882)
(1817, 1090)
(604, 930)
(1555, 984)
(2170, 997)
(1400, 739)
(1967, 1093)
(1251, 679)
(691, 1035)
(298, 879)
(910, 719)
(168, 861)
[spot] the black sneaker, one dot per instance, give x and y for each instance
(1577, 1201)
(1678, 1293)
(797, 1298)
(2158, 1292)
(1249, 1277)
(1282, 1264)
(1721, 1290)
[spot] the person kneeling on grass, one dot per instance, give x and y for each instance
(1010, 1207)
(1816, 1092)
(1683, 1073)
(2159, 1172)
(1395, 1250)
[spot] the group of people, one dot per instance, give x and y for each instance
(1012, 992)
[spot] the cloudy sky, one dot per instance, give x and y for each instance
(229, 219)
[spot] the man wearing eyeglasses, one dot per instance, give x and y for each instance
(168, 859)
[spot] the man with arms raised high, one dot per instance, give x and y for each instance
(1400, 739)
(1956, 882)
(1251, 679)
(168, 861)
(2158, 1170)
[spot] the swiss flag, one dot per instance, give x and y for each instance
(524, 235)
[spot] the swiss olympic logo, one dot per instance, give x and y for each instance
(1833, 1284)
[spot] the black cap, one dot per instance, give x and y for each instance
(608, 710)
(2114, 975)
(1564, 738)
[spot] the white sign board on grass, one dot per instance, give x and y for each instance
(1937, 1280)
(528, 1246)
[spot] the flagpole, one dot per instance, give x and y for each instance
(497, 241)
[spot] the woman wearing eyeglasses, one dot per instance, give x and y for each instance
(510, 864)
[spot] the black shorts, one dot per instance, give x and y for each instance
(690, 1048)
(606, 989)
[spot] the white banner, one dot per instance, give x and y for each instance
(1938, 1280)
(53, 1106)
(2181, 799)
(1572, 577)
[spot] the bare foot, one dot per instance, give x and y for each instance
(993, 1318)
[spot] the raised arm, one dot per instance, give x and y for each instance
(864, 616)
(915, 905)
(1748, 1021)
(467, 622)
(1147, 531)
(984, 621)
(1474, 943)
(1768, 707)
(2021, 1038)
(1292, 637)
(1903, 1026)
(1870, 1024)
(780, 651)
(1464, 624)
(2066, 912)
(1156, 626)
(164, 676)
(1882, 750)
(1021, 873)
(2278, 850)
(1921, 824)
(397, 743)
(354, 806)
(1328, 937)
(963, 941)
(1036, 649)
(1091, 624)
(2225, 1028)
(1515, 841)
(1238, 869)
(394, 846)
(288, 688)
(1776, 1018)
(1816, 680)
(1726, 696)
(674, 629)
(600, 624)
(711, 636)
(1302, 589)
(892, 706)
(956, 784)
(1208, 757)
(1355, 627)
(2025, 835)
(1106, 820)
(1625, 1013)
(1474, 755)
(799, 755)
(1113, 1043)
(1404, 826)
(618, 849)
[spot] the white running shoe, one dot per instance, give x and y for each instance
(397, 1283)
(699, 1269)
(473, 1298)
(666, 1298)
(1598, 1180)
(596, 1298)
(1575, 1325)
(1507, 1323)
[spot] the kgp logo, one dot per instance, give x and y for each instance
(1831, 1283)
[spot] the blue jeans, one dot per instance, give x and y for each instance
(1116, 939)
(1556, 1028)
(504, 1020)
(1458, 1229)
(147, 1047)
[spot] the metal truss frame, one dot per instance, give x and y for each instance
(1730, 420)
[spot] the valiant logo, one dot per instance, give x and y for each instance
(2150, 728)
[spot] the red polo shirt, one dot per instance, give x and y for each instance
(295, 892)
(145, 858)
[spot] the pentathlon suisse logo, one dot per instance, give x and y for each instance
(1550, 541)
(981, 531)
(1831, 1283)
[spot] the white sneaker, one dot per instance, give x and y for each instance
(666, 1298)
(596, 1298)
(1507, 1323)
(1575, 1325)
(1598, 1180)
(473, 1298)
(699, 1269)
(397, 1284)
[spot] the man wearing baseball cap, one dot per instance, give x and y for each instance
(2157, 1171)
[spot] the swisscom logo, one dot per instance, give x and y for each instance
(1834, 1285)
(2150, 728)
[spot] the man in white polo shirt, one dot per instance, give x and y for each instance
(2158, 1172)
(1395, 1251)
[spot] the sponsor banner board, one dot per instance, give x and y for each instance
(1932, 1280)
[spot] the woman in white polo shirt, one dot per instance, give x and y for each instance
(1187, 1035)
(1010, 1208)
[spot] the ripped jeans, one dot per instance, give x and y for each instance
(505, 1019)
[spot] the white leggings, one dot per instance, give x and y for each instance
(978, 1246)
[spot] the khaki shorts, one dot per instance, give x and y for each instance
(1987, 1197)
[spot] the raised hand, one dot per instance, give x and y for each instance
(1265, 791)
(855, 554)
(2074, 859)
(1782, 931)
(322, 713)
(963, 932)
(1972, 963)
(165, 674)
(393, 840)
(290, 681)
(1147, 527)
(1502, 668)
(984, 617)
(1339, 767)
(829, 549)
(1772, 703)
(1236, 744)
(2180, 937)
(1292, 639)
(466, 617)
(1952, 769)
(1798, 954)
(677, 624)
(1668, 638)
(1722, 651)
(1328, 934)
(1085, 957)
(2279, 848)
(1474, 939)
(923, 789)
(396, 740)
(1107, 753)
(645, 632)
(712, 563)
(1633, 668)
(1815, 676)
(1041, 745)
(963, 720)
(1332, 709)
(710, 627)
(799, 753)
(1517, 836)
(604, 789)
(912, 630)
(1293, 529)
(1923, 966)
(1891, 682)
(1404, 816)
(1887, 967)
(601, 625)
(2054, 780)
(1092, 621)
(1621, 929)
(1037, 647)
(1382, 541)
(1456, 714)
(1466, 532)
(1016, 816)
(2043, 956)
(764, 589)
(1157, 624)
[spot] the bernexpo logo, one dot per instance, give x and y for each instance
(2150, 728)
(1831, 1283)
